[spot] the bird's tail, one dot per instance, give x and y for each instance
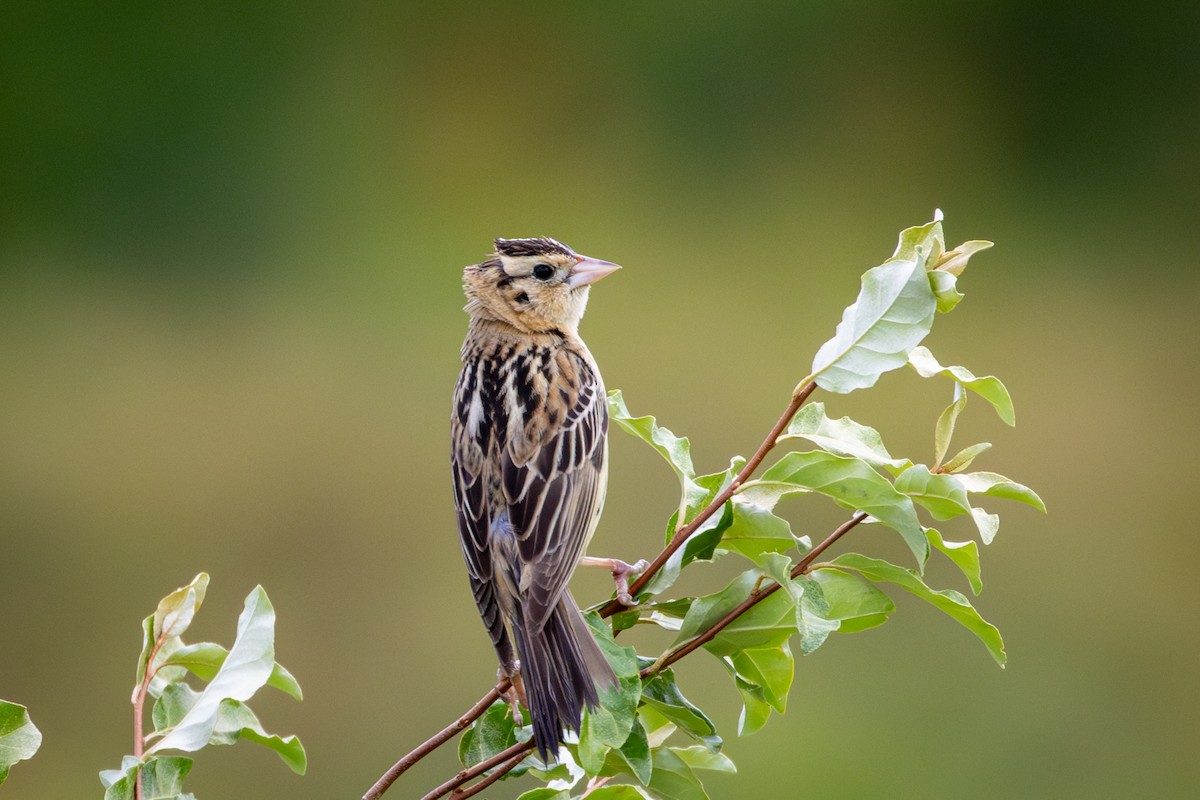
(561, 665)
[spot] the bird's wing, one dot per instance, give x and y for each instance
(553, 478)
(468, 459)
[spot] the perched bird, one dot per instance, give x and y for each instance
(529, 454)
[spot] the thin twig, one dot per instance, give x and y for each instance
(755, 597)
(500, 772)
(811, 556)
(435, 741)
(613, 606)
(483, 766)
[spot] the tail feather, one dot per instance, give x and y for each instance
(561, 664)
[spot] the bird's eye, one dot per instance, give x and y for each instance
(543, 272)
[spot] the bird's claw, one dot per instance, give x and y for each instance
(621, 573)
(515, 695)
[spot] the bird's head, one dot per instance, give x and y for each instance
(535, 285)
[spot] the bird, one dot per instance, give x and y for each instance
(529, 460)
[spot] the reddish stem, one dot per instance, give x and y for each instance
(500, 772)
(139, 704)
(516, 751)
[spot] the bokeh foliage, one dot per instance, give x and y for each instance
(230, 239)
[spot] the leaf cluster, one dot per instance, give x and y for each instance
(19, 737)
(186, 718)
(647, 740)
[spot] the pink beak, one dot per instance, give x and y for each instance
(589, 270)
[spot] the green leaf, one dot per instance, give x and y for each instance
(943, 495)
(852, 484)
(995, 485)
(19, 737)
(944, 286)
(990, 483)
(492, 733)
(712, 484)
(236, 721)
(988, 387)
(677, 450)
(635, 753)
(624, 620)
(926, 240)
(943, 431)
(755, 531)
(930, 237)
(964, 457)
(162, 777)
(674, 776)
(853, 602)
(662, 694)
(285, 682)
(546, 793)
(204, 660)
(892, 314)
(246, 669)
(623, 660)
(668, 614)
(964, 554)
(813, 621)
(144, 659)
(955, 261)
(701, 545)
(771, 668)
(161, 632)
(769, 623)
(707, 610)
(617, 792)
(609, 724)
(176, 611)
(701, 758)
(988, 524)
(843, 437)
(755, 708)
(172, 706)
(111, 777)
(948, 601)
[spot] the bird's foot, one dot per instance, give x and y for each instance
(621, 573)
(515, 695)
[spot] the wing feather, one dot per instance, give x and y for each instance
(555, 488)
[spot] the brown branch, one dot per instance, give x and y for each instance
(803, 564)
(436, 741)
(684, 533)
(754, 599)
(500, 772)
(517, 751)
(613, 606)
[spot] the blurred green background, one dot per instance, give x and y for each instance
(230, 250)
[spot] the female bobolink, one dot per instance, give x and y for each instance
(529, 456)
